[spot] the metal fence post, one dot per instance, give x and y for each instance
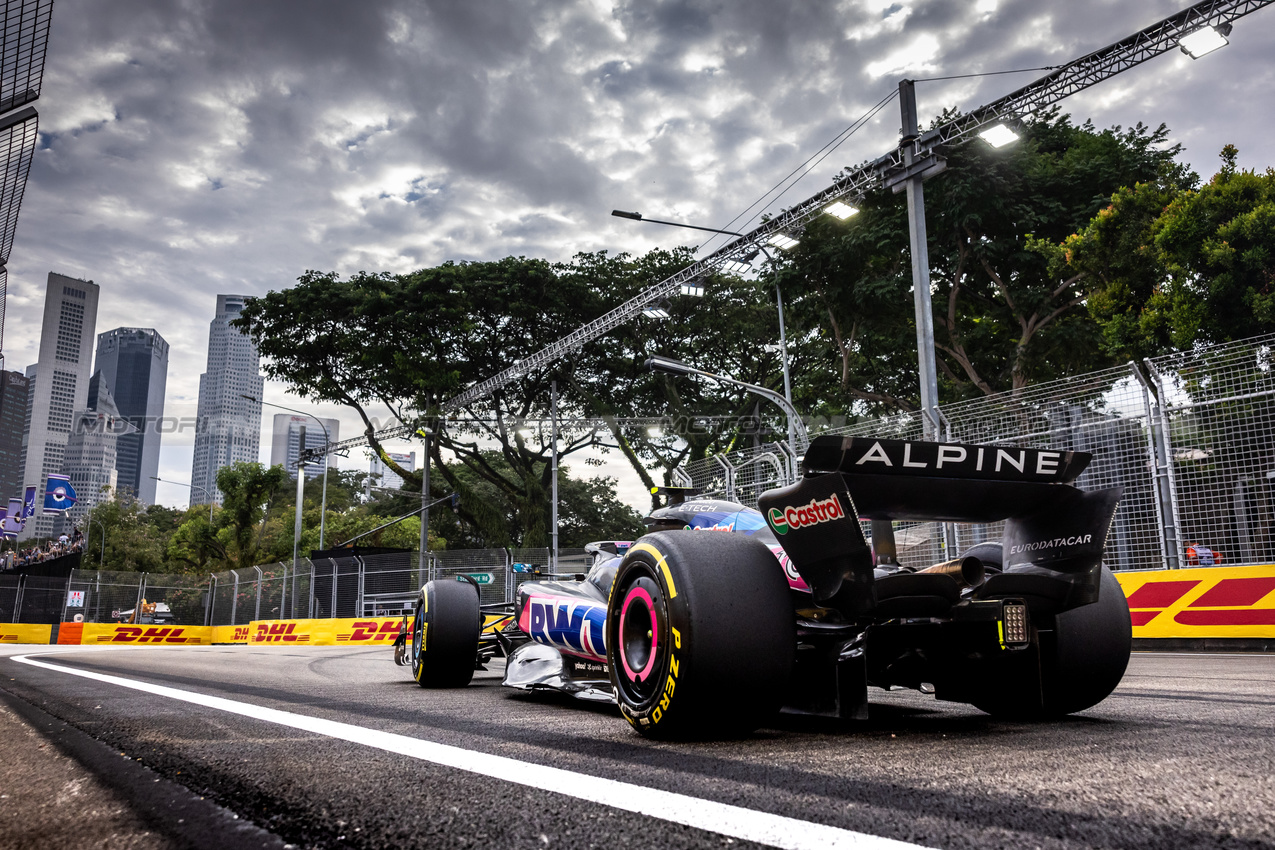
(1164, 444)
(234, 599)
(1159, 472)
(730, 476)
(335, 572)
(141, 594)
(358, 602)
(212, 599)
(260, 577)
(17, 598)
(310, 610)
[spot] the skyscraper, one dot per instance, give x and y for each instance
(91, 454)
(285, 442)
(13, 412)
(380, 475)
(61, 385)
(134, 364)
(228, 426)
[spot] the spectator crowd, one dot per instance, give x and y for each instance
(66, 544)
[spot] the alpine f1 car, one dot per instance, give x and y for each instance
(723, 615)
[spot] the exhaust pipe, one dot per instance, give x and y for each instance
(968, 572)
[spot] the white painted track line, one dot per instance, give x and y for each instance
(731, 821)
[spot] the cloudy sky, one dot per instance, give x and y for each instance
(225, 146)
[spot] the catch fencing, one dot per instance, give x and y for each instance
(1190, 437)
(359, 586)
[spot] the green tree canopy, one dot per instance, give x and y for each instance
(1003, 316)
(1169, 266)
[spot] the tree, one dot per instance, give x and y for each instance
(237, 537)
(588, 510)
(134, 534)
(1003, 316)
(1173, 266)
(412, 342)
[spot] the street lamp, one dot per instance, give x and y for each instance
(207, 495)
(778, 240)
(677, 367)
(323, 507)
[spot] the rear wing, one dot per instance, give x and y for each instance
(1052, 528)
(942, 482)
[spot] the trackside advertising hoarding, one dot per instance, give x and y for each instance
(1209, 602)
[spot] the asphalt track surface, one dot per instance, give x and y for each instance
(337, 747)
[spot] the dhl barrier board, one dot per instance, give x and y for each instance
(21, 633)
(1209, 602)
(99, 634)
(368, 631)
(231, 634)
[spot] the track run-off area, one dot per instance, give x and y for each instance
(338, 747)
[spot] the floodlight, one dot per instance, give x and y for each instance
(738, 267)
(693, 288)
(655, 432)
(668, 364)
(999, 135)
(655, 311)
(1204, 40)
(841, 210)
(781, 241)
(526, 433)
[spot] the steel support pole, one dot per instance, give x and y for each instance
(296, 528)
(261, 579)
(424, 544)
(783, 357)
(920, 254)
(553, 431)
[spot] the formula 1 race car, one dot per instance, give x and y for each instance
(723, 614)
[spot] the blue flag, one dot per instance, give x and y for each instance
(28, 502)
(59, 495)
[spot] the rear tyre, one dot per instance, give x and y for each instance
(445, 635)
(1080, 666)
(700, 634)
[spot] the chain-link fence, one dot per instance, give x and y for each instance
(106, 596)
(1192, 443)
(1218, 411)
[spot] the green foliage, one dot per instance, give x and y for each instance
(587, 511)
(1004, 315)
(135, 536)
(1171, 266)
(413, 341)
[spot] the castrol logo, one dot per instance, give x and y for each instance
(804, 516)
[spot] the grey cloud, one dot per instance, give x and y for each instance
(389, 135)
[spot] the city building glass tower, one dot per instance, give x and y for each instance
(13, 414)
(228, 426)
(134, 364)
(285, 443)
(60, 388)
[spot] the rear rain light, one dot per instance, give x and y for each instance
(1014, 625)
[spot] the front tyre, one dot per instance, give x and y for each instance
(700, 634)
(444, 647)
